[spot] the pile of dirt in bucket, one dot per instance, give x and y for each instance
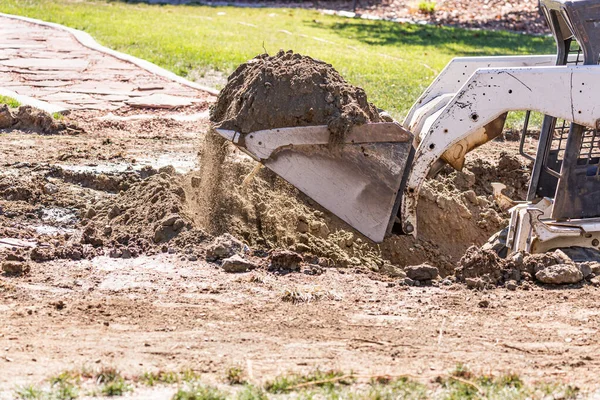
(290, 90)
(265, 211)
(27, 118)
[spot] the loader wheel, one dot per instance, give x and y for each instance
(497, 243)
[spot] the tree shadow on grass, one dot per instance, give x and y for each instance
(467, 42)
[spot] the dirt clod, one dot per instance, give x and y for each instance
(223, 247)
(559, 274)
(285, 260)
(15, 267)
(31, 119)
(423, 272)
(236, 263)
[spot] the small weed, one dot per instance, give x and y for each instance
(115, 387)
(251, 392)
(235, 376)
(403, 388)
(426, 7)
(58, 116)
(318, 378)
(160, 377)
(9, 101)
(199, 392)
(461, 371)
(64, 385)
(29, 392)
(510, 380)
(107, 375)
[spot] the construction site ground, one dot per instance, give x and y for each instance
(171, 310)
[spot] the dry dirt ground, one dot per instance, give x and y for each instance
(172, 310)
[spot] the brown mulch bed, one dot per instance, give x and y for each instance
(516, 15)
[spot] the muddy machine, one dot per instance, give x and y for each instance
(372, 181)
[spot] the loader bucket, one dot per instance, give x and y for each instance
(359, 180)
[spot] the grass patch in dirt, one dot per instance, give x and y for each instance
(459, 383)
(393, 62)
(168, 377)
(9, 101)
(196, 391)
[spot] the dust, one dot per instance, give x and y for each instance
(290, 89)
(27, 118)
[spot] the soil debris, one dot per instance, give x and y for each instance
(484, 269)
(290, 89)
(559, 274)
(150, 212)
(423, 272)
(236, 263)
(223, 247)
(27, 118)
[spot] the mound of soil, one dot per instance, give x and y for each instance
(147, 214)
(27, 118)
(287, 90)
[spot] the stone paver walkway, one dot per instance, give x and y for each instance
(51, 65)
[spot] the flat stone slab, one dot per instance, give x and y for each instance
(51, 64)
(160, 101)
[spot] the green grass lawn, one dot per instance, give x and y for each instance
(393, 62)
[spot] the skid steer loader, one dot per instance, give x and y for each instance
(373, 182)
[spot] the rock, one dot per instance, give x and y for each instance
(178, 224)
(485, 303)
(114, 212)
(169, 220)
(90, 213)
(586, 269)
(90, 236)
(167, 169)
(595, 281)
(15, 267)
(236, 263)
(511, 285)
(6, 118)
(559, 274)
(392, 271)
(302, 226)
(471, 197)
(285, 260)
(517, 258)
(423, 272)
(561, 257)
(595, 266)
(409, 282)
(475, 283)
(162, 233)
(223, 247)
(50, 188)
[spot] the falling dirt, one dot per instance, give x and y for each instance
(230, 195)
(290, 90)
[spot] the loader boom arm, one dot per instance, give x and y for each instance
(487, 95)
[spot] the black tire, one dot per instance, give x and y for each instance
(497, 243)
